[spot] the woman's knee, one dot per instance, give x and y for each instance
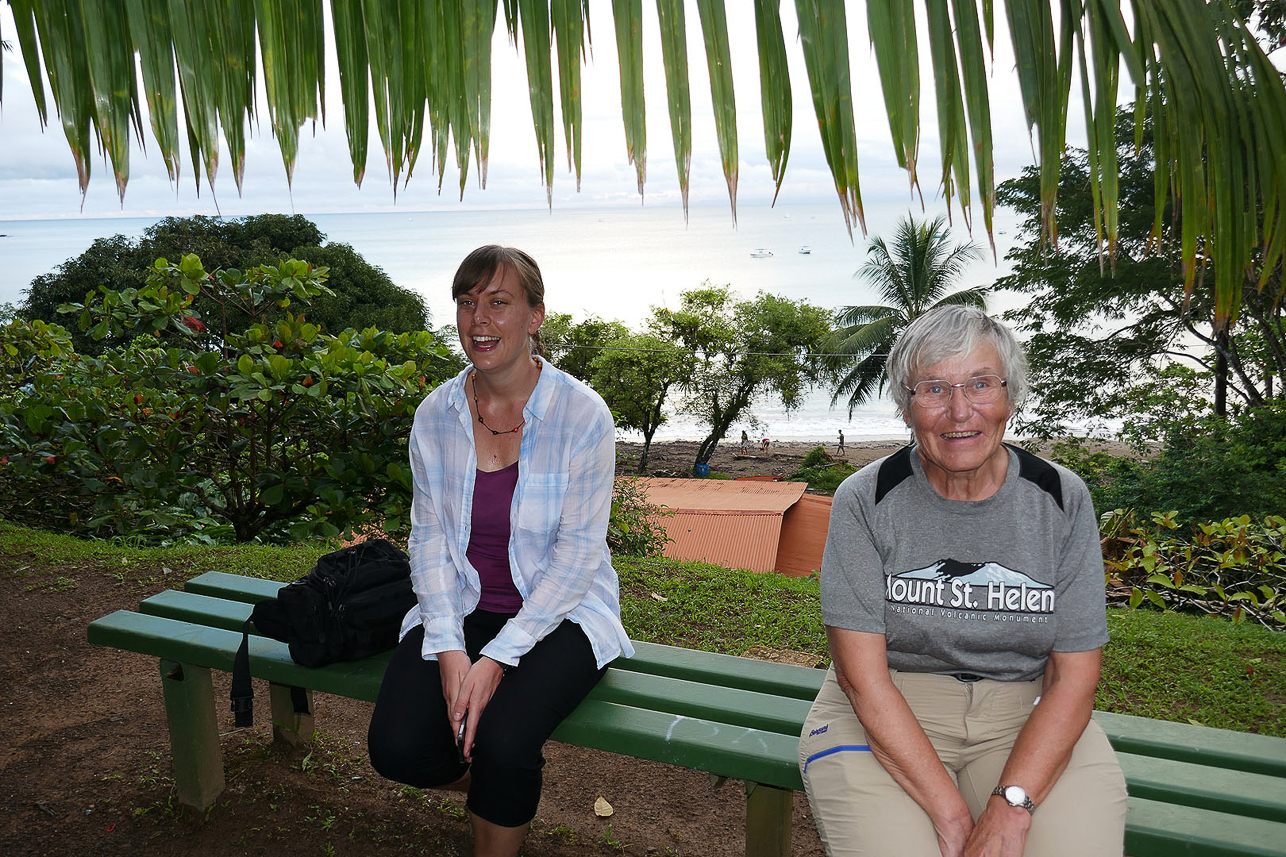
(410, 756)
(505, 746)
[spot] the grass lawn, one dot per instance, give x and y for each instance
(1172, 667)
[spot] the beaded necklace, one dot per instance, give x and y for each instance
(474, 378)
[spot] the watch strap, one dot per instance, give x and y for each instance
(504, 668)
(1025, 803)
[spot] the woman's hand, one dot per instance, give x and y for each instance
(1001, 831)
(476, 690)
(453, 666)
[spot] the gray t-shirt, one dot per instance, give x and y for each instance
(988, 587)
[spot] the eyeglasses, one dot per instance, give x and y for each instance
(980, 389)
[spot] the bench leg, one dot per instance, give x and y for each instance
(288, 726)
(768, 816)
(194, 734)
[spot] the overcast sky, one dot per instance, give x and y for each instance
(38, 176)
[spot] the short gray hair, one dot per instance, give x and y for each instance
(946, 332)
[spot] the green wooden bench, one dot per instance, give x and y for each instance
(1193, 790)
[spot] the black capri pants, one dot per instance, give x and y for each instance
(411, 740)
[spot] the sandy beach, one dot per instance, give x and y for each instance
(782, 458)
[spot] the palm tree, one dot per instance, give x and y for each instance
(1218, 103)
(913, 276)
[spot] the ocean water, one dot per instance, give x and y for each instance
(614, 262)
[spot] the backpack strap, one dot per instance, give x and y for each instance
(299, 699)
(243, 694)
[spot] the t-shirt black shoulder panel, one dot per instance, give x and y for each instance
(895, 469)
(1040, 472)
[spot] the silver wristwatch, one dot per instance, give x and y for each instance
(1015, 796)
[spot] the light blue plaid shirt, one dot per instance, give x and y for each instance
(558, 521)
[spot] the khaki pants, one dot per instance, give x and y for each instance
(861, 810)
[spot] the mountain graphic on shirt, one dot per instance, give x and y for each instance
(981, 586)
(971, 573)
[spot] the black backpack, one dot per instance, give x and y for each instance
(348, 607)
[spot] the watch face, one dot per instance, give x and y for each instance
(1015, 795)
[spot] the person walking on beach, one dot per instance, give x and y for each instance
(840, 449)
(745, 441)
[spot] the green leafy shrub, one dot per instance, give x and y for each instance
(816, 457)
(1203, 467)
(1235, 567)
(821, 473)
(635, 527)
(276, 432)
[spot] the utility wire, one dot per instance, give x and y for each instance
(694, 351)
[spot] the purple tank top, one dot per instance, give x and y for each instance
(488, 550)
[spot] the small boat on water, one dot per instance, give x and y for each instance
(805, 250)
(760, 253)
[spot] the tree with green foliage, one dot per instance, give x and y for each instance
(1095, 327)
(273, 431)
(635, 374)
(913, 275)
(573, 346)
(742, 350)
(362, 295)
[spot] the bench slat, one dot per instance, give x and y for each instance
(723, 750)
(726, 670)
(1156, 829)
(1221, 789)
(1221, 748)
(233, 587)
(197, 609)
(690, 699)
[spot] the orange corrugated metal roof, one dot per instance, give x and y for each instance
(731, 539)
(739, 524)
(724, 494)
(803, 536)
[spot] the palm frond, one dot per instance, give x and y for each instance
(1219, 105)
(674, 55)
(854, 315)
(865, 381)
(975, 297)
(862, 339)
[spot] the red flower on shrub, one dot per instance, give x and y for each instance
(50, 459)
(194, 324)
